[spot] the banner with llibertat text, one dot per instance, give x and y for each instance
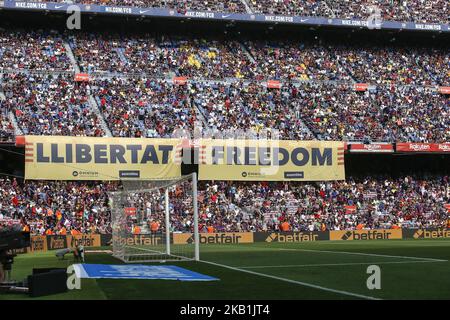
(100, 158)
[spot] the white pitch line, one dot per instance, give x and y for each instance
(294, 282)
(364, 254)
(336, 264)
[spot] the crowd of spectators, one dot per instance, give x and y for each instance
(293, 60)
(437, 64)
(33, 50)
(6, 127)
(291, 7)
(51, 207)
(46, 207)
(337, 112)
(296, 61)
(198, 58)
(322, 104)
(420, 11)
(140, 107)
(250, 108)
(181, 6)
(395, 65)
(372, 202)
(326, 111)
(49, 105)
(165, 56)
(149, 107)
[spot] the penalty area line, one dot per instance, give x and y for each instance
(305, 284)
(336, 264)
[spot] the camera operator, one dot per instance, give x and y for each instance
(2, 273)
(6, 261)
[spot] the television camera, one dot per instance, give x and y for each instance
(11, 238)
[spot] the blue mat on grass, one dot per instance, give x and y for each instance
(138, 271)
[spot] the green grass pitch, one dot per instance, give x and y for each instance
(410, 269)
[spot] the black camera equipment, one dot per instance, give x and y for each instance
(11, 238)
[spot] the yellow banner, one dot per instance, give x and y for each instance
(38, 243)
(431, 234)
(86, 240)
(85, 158)
(215, 238)
(271, 160)
(382, 234)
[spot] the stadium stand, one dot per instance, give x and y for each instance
(296, 61)
(33, 50)
(375, 202)
(390, 65)
(193, 58)
(229, 88)
(6, 127)
(299, 61)
(434, 11)
(244, 106)
(389, 114)
(421, 11)
(291, 7)
(49, 104)
(179, 5)
(144, 107)
(131, 82)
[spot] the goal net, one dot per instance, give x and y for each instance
(155, 220)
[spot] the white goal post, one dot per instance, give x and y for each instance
(155, 220)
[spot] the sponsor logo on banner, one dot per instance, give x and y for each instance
(273, 84)
(82, 77)
(445, 147)
(444, 90)
(361, 86)
(86, 240)
(420, 147)
(38, 243)
(130, 211)
(56, 157)
(56, 242)
(382, 234)
(421, 26)
(279, 19)
(121, 10)
(291, 237)
(30, 5)
(423, 147)
(214, 238)
(371, 148)
(431, 234)
(180, 80)
(140, 240)
(200, 14)
(358, 23)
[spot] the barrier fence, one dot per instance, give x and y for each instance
(55, 242)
